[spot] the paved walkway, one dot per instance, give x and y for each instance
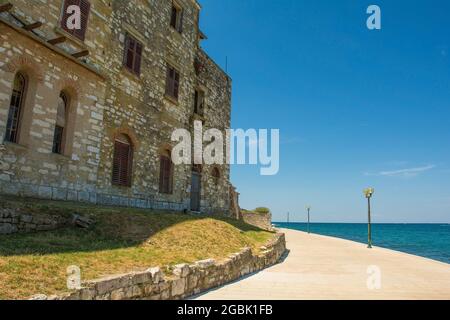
(319, 267)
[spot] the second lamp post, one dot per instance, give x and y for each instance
(369, 193)
(308, 208)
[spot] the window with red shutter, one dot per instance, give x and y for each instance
(122, 162)
(85, 8)
(172, 82)
(166, 175)
(176, 17)
(132, 54)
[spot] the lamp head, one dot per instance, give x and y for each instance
(369, 192)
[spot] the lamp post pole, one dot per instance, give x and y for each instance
(369, 193)
(308, 208)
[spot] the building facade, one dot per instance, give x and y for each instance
(87, 114)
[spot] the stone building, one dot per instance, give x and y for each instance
(88, 114)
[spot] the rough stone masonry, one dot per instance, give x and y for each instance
(88, 116)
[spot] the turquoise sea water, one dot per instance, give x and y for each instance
(426, 240)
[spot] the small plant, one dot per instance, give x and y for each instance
(262, 210)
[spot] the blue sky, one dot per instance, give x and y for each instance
(355, 108)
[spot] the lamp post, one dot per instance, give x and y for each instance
(369, 193)
(308, 208)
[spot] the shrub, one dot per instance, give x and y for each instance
(262, 210)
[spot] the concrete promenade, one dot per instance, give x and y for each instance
(320, 267)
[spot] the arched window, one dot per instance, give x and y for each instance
(122, 161)
(166, 173)
(216, 175)
(59, 137)
(16, 108)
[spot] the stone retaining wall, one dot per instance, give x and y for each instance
(260, 220)
(14, 221)
(185, 280)
(91, 196)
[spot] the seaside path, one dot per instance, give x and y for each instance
(320, 267)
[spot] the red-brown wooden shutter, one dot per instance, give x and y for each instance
(176, 84)
(161, 174)
(169, 82)
(137, 58)
(85, 8)
(173, 17)
(65, 15)
(122, 164)
(129, 52)
(180, 27)
(165, 175)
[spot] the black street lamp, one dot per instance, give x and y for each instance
(369, 193)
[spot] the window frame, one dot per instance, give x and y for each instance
(83, 4)
(118, 173)
(61, 132)
(136, 55)
(166, 173)
(173, 82)
(177, 25)
(14, 133)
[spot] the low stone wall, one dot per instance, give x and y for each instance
(97, 198)
(185, 280)
(260, 220)
(15, 221)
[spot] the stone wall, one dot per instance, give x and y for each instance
(29, 168)
(185, 280)
(108, 100)
(260, 220)
(15, 221)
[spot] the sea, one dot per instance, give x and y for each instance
(426, 240)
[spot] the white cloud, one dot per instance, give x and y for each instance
(410, 172)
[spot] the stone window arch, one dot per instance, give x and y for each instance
(122, 161)
(62, 115)
(16, 108)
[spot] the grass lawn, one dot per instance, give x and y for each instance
(122, 240)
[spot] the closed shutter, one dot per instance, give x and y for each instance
(169, 81)
(85, 8)
(176, 84)
(165, 175)
(180, 26)
(132, 54)
(173, 17)
(122, 164)
(137, 59)
(65, 15)
(129, 52)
